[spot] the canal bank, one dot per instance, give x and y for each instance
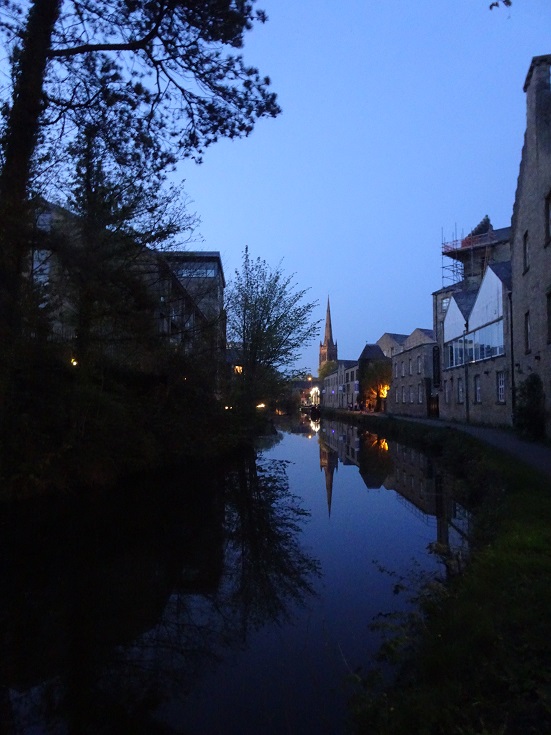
(480, 661)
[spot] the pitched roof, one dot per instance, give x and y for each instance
(503, 272)
(372, 352)
(465, 300)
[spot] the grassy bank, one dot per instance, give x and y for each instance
(479, 658)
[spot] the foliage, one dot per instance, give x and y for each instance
(268, 323)
(162, 75)
(375, 377)
(326, 369)
(529, 417)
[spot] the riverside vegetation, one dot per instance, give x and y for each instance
(476, 658)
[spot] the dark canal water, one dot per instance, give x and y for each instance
(214, 602)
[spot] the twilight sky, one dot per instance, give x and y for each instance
(402, 123)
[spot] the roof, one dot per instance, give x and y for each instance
(465, 300)
(400, 338)
(503, 272)
(372, 352)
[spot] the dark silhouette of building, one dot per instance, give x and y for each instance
(328, 348)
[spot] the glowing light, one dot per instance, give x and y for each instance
(238, 369)
(261, 405)
(383, 390)
(74, 361)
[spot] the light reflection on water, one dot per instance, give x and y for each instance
(371, 504)
(246, 614)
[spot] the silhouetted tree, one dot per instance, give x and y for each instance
(168, 61)
(269, 324)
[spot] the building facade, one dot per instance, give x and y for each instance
(472, 329)
(341, 388)
(531, 239)
(412, 388)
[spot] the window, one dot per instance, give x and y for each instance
(419, 365)
(403, 394)
(477, 393)
(403, 369)
(460, 392)
(445, 303)
(396, 369)
(446, 391)
(411, 394)
(420, 393)
(410, 366)
(500, 385)
(548, 299)
(397, 396)
(527, 342)
(525, 251)
(488, 341)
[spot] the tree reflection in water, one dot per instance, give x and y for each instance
(131, 623)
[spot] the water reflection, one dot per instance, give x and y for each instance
(421, 483)
(111, 608)
(128, 613)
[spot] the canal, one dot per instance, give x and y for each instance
(239, 601)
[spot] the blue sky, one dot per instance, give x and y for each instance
(402, 122)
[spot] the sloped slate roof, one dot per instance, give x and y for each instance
(372, 352)
(465, 301)
(503, 272)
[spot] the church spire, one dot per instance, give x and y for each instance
(328, 348)
(328, 329)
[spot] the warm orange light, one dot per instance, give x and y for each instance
(383, 390)
(238, 369)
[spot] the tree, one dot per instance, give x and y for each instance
(164, 65)
(269, 324)
(375, 378)
(326, 369)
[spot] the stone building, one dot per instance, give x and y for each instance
(340, 388)
(412, 391)
(391, 344)
(531, 239)
(471, 325)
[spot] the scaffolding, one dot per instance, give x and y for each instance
(458, 251)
